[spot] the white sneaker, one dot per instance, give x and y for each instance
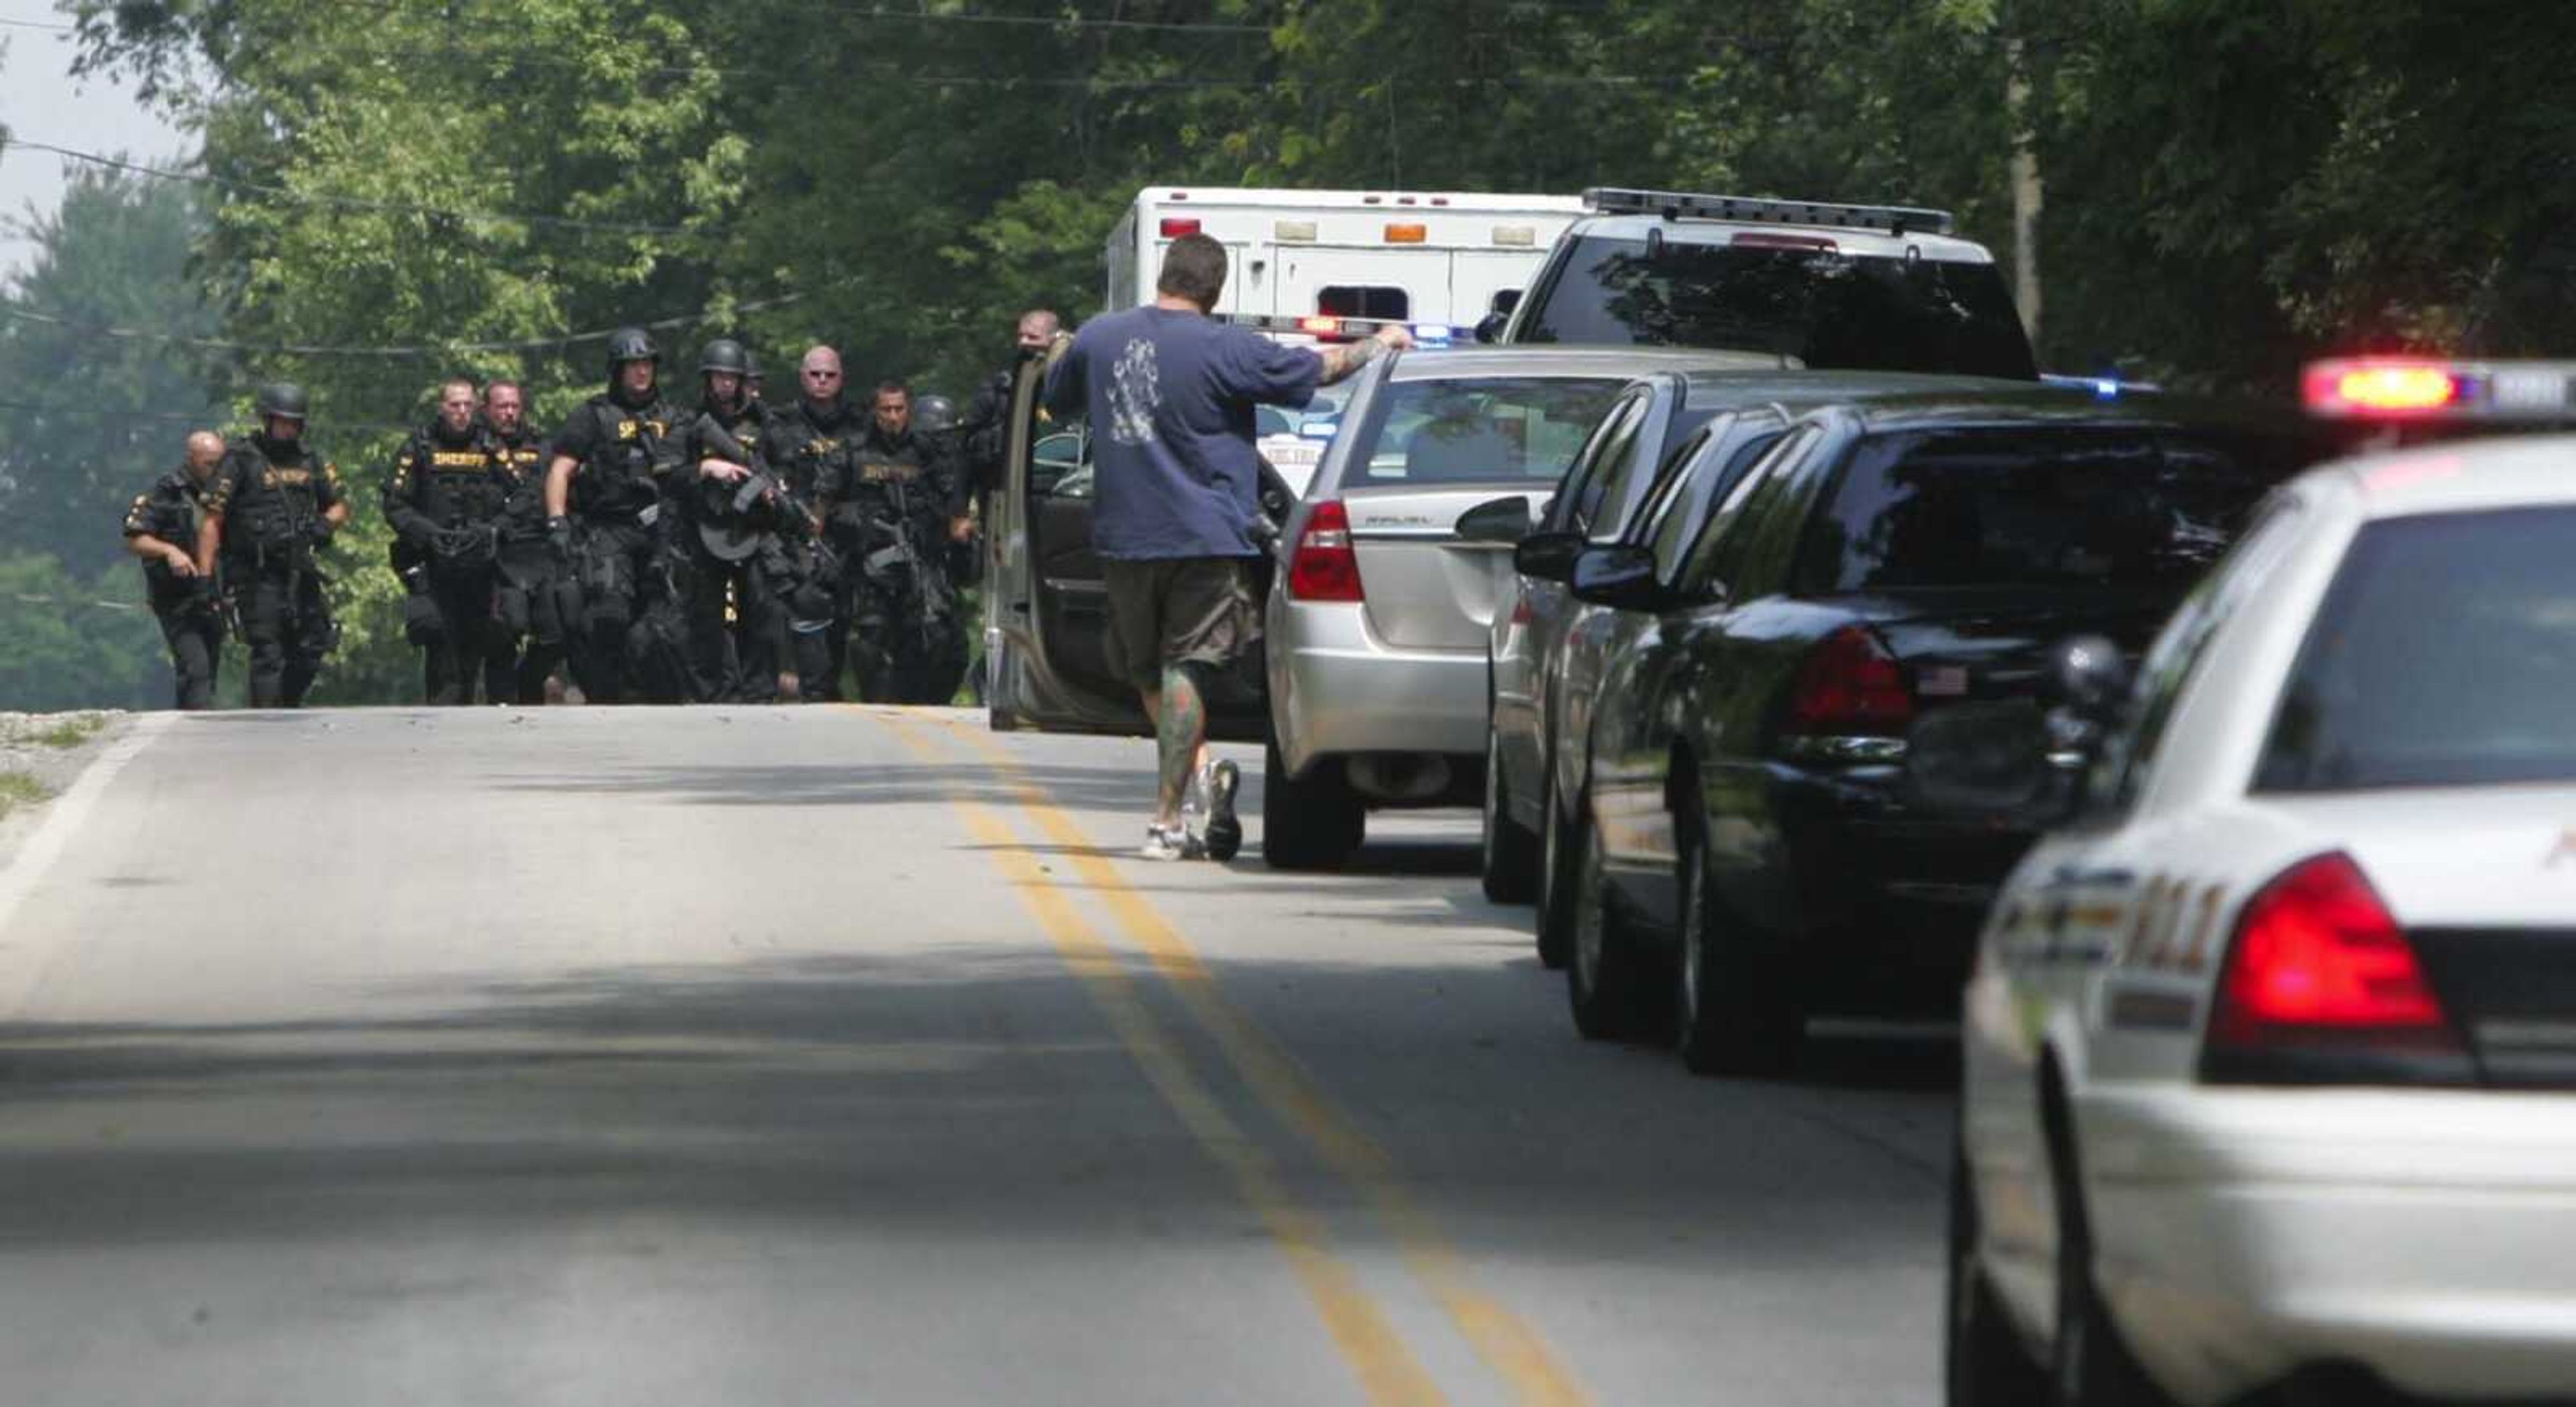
(1167, 843)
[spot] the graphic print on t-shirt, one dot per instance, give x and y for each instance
(1135, 393)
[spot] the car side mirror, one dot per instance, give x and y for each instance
(1504, 520)
(1620, 575)
(2089, 676)
(1489, 328)
(1547, 556)
(1983, 760)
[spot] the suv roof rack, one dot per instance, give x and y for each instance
(1682, 205)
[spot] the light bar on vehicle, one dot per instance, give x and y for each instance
(1682, 205)
(2105, 388)
(2438, 388)
(1429, 334)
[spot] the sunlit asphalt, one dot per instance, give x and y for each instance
(844, 1055)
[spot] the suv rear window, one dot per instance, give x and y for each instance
(2145, 509)
(1834, 311)
(1493, 429)
(2440, 657)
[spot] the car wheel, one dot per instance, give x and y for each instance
(1986, 1364)
(1511, 852)
(1313, 824)
(1555, 917)
(1602, 981)
(2088, 1362)
(1731, 1013)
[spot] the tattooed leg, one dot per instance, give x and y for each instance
(1180, 733)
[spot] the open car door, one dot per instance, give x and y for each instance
(1046, 624)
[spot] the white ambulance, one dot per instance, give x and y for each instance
(1439, 259)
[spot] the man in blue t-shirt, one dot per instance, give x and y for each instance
(1169, 392)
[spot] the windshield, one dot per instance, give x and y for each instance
(2144, 509)
(2444, 655)
(1496, 429)
(1835, 311)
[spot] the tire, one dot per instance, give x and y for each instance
(1554, 921)
(1604, 985)
(1985, 1362)
(2088, 1362)
(1732, 1013)
(1312, 824)
(1510, 851)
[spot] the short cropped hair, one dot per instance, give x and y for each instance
(1193, 268)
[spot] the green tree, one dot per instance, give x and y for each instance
(86, 420)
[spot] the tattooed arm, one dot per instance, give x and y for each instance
(1341, 361)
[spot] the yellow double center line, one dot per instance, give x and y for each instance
(1387, 1369)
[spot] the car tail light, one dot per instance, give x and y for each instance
(1850, 686)
(2321, 985)
(1324, 566)
(1175, 227)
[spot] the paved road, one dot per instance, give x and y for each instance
(838, 1055)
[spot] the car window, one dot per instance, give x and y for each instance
(1681, 490)
(1832, 310)
(1612, 445)
(1718, 557)
(1477, 430)
(1626, 471)
(1364, 301)
(2128, 757)
(2444, 654)
(2137, 511)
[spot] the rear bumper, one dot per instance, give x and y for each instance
(1883, 906)
(1336, 689)
(2429, 1237)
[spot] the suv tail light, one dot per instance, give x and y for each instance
(1324, 566)
(2322, 986)
(1850, 686)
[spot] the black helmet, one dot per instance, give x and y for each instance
(631, 344)
(933, 415)
(282, 398)
(725, 354)
(751, 366)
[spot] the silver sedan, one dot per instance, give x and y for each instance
(1378, 618)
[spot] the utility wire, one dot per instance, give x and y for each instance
(533, 344)
(344, 202)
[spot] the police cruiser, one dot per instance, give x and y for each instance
(2270, 1049)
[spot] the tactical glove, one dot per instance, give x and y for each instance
(559, 537)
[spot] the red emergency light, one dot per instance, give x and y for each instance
(1174, 227)
(1319, 326)
(2381, 386)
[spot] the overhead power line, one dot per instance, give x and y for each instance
(343, 202)
(533, 344)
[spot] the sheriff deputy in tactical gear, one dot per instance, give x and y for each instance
(444, 498)
(984, 433)
(898, 501)
(733, 563)
(808, 443)
(531, 583)
(272, 507)
(609, 469)
(161, 528)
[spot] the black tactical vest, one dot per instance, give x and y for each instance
(631, 456)
(451, 485)
(269, 505)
